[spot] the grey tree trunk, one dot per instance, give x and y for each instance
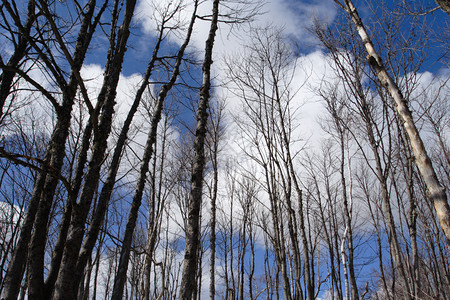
(157, 202)
(193, 223)
(347, 210)
(65, 221)
(212, 241)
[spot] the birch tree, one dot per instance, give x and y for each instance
(436, 192)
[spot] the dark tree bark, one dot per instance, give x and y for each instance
(193, 223)
(121, 274)
(58, 250)
(66, 287)
(156, 208)
(20, 50)
(43, 191)
(107, 188)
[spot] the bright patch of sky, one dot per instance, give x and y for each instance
(295, 17)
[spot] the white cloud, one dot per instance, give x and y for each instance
(294, 16)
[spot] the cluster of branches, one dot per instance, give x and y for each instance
(56, 47)
(94, 206)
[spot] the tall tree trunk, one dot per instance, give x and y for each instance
(66, 287)
(45, 185)
(292, 214)
(120, 278)
(153, 223)
(382, 176)
(108, 186)
(408, 175)
(347, 209)
(212, 241)
(436, 192)
(340, 126)
(193, 224)
(58, 250)
(214, 149)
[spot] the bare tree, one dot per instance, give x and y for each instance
(263, 78)
(437, 194)
(148, 152)
(193, 231)
(215, 133)
(45, 185)
(19, 38)
(66, 287)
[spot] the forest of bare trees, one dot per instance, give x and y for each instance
(195, 149)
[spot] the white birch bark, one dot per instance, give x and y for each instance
(436, 192)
